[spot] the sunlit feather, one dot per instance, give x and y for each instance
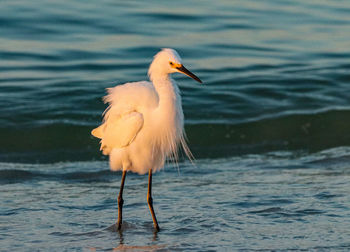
(144, 122)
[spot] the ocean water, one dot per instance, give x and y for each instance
(270, 126)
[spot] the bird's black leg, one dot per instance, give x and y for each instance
(150, 200)
(120, 203)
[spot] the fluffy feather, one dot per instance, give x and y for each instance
(143, 125)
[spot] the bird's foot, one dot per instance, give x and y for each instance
(119, 226)
(156, 227)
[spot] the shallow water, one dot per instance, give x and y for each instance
(277, 200)
(272, 171)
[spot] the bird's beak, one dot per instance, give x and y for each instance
(184, 70)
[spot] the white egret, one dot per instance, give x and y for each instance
(144, 123)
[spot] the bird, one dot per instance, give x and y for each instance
(143, 125)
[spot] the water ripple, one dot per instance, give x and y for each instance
(272, 171)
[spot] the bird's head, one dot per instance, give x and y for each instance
(168, 61)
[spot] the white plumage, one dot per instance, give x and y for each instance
(144, 123)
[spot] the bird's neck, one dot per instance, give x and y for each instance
(168, 93)
(169, 119)
(165, 87)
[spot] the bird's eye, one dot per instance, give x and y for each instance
(171, 63)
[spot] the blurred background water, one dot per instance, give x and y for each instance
(269, 128)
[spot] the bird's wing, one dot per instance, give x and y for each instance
(118, 130)
(123, 119)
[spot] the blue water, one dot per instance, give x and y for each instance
(269, 128)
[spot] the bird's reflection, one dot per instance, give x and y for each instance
(121, 237)
(128, 228)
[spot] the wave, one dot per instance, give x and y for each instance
(65, 172)
(330, 162)
(65, 141)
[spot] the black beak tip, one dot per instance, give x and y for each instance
(196, 78)
(184, 70)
